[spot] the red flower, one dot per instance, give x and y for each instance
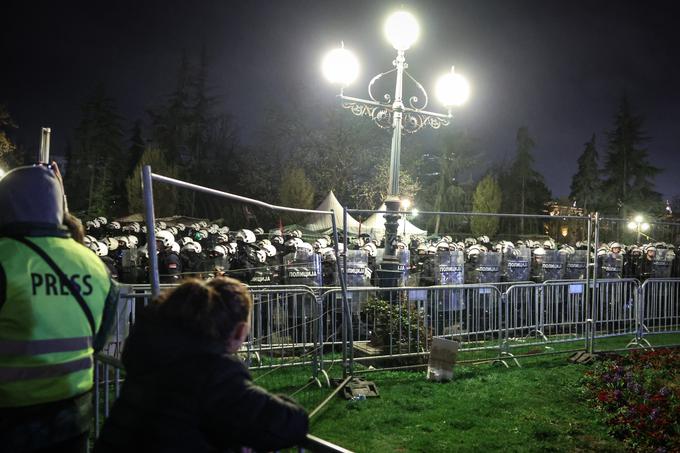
(603, 396)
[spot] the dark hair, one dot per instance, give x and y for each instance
(210, 309)
(75, 227)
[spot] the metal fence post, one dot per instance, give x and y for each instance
(596, 298)
(147, 188)
(347, 344)
(639, 312)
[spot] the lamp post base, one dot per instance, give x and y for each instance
(390, 271)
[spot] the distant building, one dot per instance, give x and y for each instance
(565, 230)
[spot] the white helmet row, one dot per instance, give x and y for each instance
(191, 247)
(166, 238)
(99, 248)
(246, 236)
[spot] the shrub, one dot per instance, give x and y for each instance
(396, 327)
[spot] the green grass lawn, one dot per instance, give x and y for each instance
(538, 407)
(486, 407)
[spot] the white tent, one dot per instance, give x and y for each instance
(375, 226)
(322, 222)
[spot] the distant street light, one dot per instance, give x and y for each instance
(638, 224)
(341, 67)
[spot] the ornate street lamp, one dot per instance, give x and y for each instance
(341, 67)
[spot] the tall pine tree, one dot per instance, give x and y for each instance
(486, 198)
(524, 189)
(98, 162)
(629, 176)
(585, 184)
(197, 139)
(137, 146)
(451, 188)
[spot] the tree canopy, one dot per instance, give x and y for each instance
(586, 184)
(487, 198)
(628, 184)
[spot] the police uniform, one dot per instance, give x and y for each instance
(169, 267)
(52, 317)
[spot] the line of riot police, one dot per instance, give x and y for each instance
(259, 258)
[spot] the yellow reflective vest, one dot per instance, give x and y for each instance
(46, 340)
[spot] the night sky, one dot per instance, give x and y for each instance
(557, 67)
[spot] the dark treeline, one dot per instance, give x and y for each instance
(297, 158)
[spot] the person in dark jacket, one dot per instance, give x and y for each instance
(186, 390)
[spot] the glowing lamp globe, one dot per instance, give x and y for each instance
(638, 219)
(632, 225)
(402, 30)
(452, 89)
(340, 66)
(2, 173)
(644, 226)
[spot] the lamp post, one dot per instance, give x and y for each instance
(638, 224)
(341, 67)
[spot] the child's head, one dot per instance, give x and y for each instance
(218, 309)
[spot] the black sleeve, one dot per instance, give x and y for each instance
(243, 414)
(3, 286)
(108, 317)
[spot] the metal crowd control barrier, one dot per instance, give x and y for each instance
(285, 325)
(659, 311)
(285, 328)
(391, 323)
(108, 379)
(303, 326)
(614, 311)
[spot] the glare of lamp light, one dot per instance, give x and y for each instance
(564, 231)
(638, 219)
(340, 66)
(402, 30)
(452, 89)
(405, 204)
(632, 225)
(644, 226)
(414, 212)
(2, 173)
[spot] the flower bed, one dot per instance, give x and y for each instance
(639, 396)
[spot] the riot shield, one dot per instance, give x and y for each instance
(449, 268)
(661, 266)
(358, 273)
(302, 268)
(576, 265)
(488, 268)
(516, 265)
(552, 266)
(131, 270)
(213, 263)
(404, 259)
(265, 276)
(611, 266)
